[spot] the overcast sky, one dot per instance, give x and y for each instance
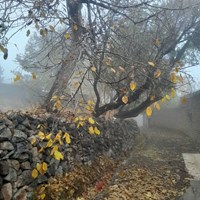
(16, 46)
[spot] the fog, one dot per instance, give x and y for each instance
(183, 117)
(17, 97)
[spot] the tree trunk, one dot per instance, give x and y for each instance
(62, 79)
(68, 67)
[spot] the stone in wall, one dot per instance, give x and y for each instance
(18, 157)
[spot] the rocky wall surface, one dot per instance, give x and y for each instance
(18, 157)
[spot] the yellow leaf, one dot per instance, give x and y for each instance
(17, 78)
(91, 121)
(96, 131)
(173, 78)
(148, 111)
(157, 73)
(152, 98)
(41, 135)
(151, 64)
(42, 196)
(80, 124)
(167, 97)
(75, 27)
(67, 36)
(33, 140)
(94, 69)
(157, 105)
(55, 98)
(34, 173)
(58, 105)
(163, 99)
(34, 77)
(183, 100)
(173, 92)
(76, 119)
(49, 143)
(55, 148)
(58, 137)
(125, 99)
(38, 166)
(44, 166)
(91, 130)
(90, 108)
(133, 86)
(48, 136)
(58, 155)
(90, 102)
(67, 138)
(41, 149)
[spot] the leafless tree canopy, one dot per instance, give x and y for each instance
(114, 44)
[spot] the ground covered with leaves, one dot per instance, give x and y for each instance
(154, 170)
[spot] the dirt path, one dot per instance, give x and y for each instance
(154, 170)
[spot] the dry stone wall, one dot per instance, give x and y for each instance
(18, 156)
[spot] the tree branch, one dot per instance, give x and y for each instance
(135, 111)
(116, 104)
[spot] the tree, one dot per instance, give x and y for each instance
(135, 50)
